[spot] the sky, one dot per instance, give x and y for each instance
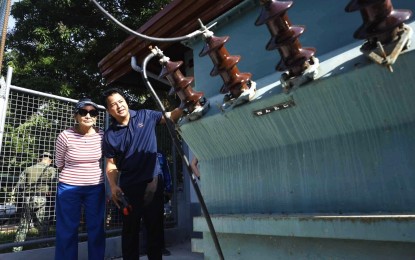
(11, 21)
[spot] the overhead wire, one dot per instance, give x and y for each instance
(143, 36)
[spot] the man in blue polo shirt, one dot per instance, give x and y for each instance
(130, 147)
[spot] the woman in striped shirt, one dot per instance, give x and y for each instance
(81, 183)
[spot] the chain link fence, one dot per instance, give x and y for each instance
(33, 120)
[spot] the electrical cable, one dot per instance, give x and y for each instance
(171, 129)
(170, 124)
(142, 36)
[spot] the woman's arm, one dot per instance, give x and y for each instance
(60, 150)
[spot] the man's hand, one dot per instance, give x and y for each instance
(150, 191)
(173, 115)
(113, 174)
(115, 195)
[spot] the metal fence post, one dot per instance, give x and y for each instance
(4, 97)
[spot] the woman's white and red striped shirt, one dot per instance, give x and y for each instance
(79, 156)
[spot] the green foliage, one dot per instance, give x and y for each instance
(23, 139)
(56, 45)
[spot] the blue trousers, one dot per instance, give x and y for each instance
(69, 200)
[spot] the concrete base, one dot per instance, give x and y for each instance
(113, 248)
(272, 236)
(248, 247)
(173, 236)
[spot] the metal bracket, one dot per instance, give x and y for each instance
(196, 114)
(246, 96)
(288, 82)
(387, 54)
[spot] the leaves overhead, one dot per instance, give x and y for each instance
(56, 45)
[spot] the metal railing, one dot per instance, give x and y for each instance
(32, 122)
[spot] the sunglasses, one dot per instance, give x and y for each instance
(84, 112)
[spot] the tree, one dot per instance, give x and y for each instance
(56, 45)
(30, 132)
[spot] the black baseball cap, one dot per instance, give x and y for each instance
(46, 154)
(84, 102)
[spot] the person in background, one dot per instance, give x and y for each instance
(35, 181)
(81, 184)
(130, 146)
(165, 174)
(168, 189)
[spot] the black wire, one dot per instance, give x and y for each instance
(171, 129)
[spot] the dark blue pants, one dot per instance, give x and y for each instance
(152, 214)
(69, 201)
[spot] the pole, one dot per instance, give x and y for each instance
(4, 32)
(4, 99)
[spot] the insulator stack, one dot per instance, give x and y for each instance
(181, 84)
(294, 58)
(380, 21)
(225, 65)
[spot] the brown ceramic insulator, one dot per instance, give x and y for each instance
(294, 58)
(380, 20)
(235, 82)
(181, 84)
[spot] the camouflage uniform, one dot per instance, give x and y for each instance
(36, 182)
